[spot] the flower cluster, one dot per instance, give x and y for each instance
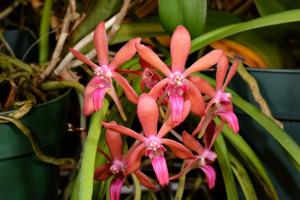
(172, 91)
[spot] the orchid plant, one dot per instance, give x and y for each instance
(173, 93)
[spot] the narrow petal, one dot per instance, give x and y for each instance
(115, 188)
(125, 53)
(203, 86)
(186, 167)
(222, 68)
(89, 97)
(212, 133)
(197, 102)
(152, 59)
(124, 130)
(157, 89)
(210, 175)
(147, 112)
(98, 97)
(134, 160)
(180, 48)
(177, 103)
(178, 149)
(189, 141)
(114, 143)
(205, 62)
(102, 172)
(159, 165)
(112, 93)
(231, 73)
(83, 58)
(231, 119)
(100, 42)
(145, 180)
(128, 90)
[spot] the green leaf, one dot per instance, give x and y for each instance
(137, 188)
(252, 160)
(266, 7)
(223, 160)
(217, 19)
(137, 29)
(223, 32)
(98, 10)
(191, 14)
(84, 183)
(267, 123)
(243, 178)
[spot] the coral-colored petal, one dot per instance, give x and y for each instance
(112, 93)
(150, 57)
(205, 62)
(189, 141)
(116, 187)
(212, 132)
(124, 130)
(114, 143)
(125, 53)
(203, 86)
(134, 160)
(222, 68)
(210, 175)
(83, 58)
(100, 42)
(186, 167)
(159, 165)
(145, 180)
(180, 48)
(102, 172)
(147, 112)
(178, 149)
(90, 98)
(197, 102)
(231, 119)
(156, 90)
(128, 90)
(231, 73)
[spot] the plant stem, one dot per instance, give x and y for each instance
(44, 29)
(180, 189)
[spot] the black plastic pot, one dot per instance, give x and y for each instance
(23, 176)
(280, 88)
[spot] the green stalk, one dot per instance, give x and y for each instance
(44, 32)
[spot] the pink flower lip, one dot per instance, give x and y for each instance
(161, 170)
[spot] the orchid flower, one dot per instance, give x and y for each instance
(179, 88)
(203, 158)
(101, 83)
(151, 144)
(117, 166)
(220, 104)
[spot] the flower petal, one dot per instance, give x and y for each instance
(189, 141)
(112, 93)
(205, 62)
(212, 132)
(145, 180)
(231, 73)
(159, 165)
(114, 143)
(231, 120)
(115, 188)
(178, 149)
(98, 97)
(177, 103)
(210, 175)
(147, 112)
(197, 102)
(152, 59)
(158, 88)
(180, 48)
(134, 159)
(186, 167)
(102, 172)
(125, 53)
(100, 42)
(128, 90)
(203, 86)
(222, 68)
(124, 130)
(83, 58)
